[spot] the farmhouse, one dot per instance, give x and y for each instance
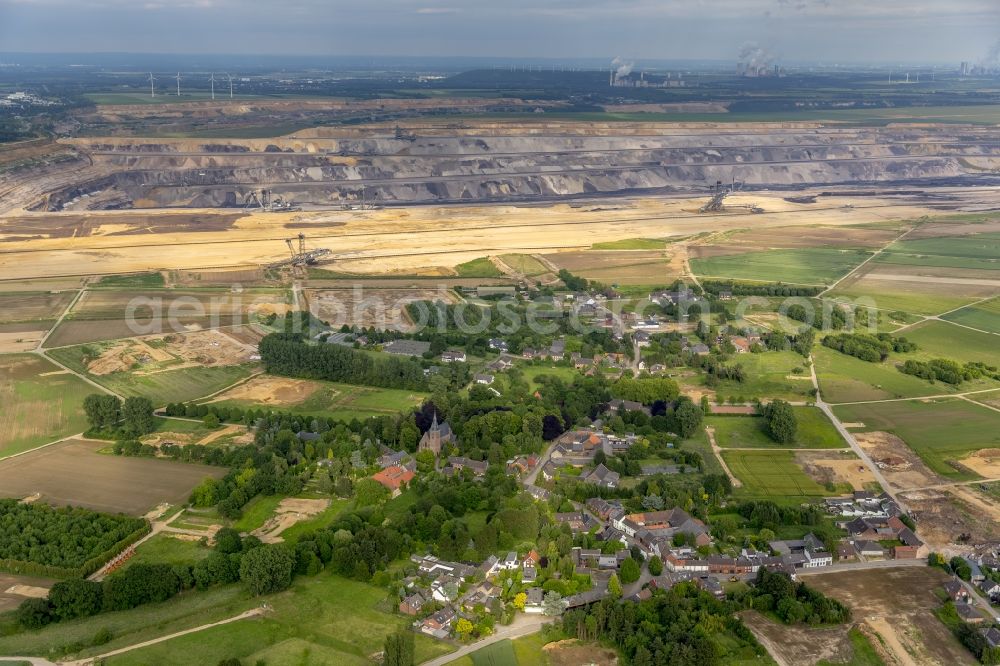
(394, 477)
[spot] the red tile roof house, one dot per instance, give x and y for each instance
(394, 477)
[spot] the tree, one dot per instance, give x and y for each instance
(553, 604)
(630, 571)
(655, 565)
(520, 599)
(75, 598)
(227, 540)
(614, 587)
(399, 649)
(463, 628)
(205, 493)
(781, 422)
(688, 417)
(267, 569)
(137, 415)
(368, 492)
(103, 411)
(34, 613)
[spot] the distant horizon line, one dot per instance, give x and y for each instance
(594, 61)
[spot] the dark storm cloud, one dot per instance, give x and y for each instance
(829, 30)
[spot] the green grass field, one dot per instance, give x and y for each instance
(256, 512)
(166, 549)
(478, 268)
(524, 263)
(524, 651)
(137, 281)
(741, 432)
(819, 266)
(843, 378)
(979, 251)
(341, 401)
(38, 407)
(631, 244)
(774, 475)
(938, 431)
(937, 339)
(912, 297)
(985, 316)
(768, 375)
(322, 619)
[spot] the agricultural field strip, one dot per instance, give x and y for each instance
(912, 398)
(65, 312)
(866, 261)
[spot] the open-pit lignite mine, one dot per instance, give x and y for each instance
(326, 167)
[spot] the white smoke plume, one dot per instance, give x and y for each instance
(755, 56)
(623, 68)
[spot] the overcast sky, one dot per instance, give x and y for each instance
(793, 30)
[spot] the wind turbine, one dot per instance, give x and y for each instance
(212, 80)
(152, 90)
(178, 77)
(230, 85)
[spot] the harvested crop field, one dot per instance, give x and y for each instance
(382, 308)
(395, 240)
(15, 338)
(898, 604)
(41, 403)
(33, 306)
(840, 237)
(74, 473)
(108, 315)
(625, 267)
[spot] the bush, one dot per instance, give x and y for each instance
(34, 613)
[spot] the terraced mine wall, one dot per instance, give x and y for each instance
(439, 165)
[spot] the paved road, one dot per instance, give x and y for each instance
(849, 438)
(523, 625)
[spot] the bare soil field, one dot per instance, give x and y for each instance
(33, 306)
(268, 390)
(946, 513)
(209, 348)
(898, 604)
(573, 653)
(74, 473)
(823, 467)
(290, 511)
(381, 241)
(985, 463)
(383, 308)
(899, 464)
(14, 589)
(16, 339)
(800, 644)
(225, 278)
(945, 229)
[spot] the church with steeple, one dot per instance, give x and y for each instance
(436, 436)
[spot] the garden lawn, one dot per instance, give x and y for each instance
(938, 431)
